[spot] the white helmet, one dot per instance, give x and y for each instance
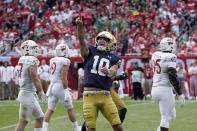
(62, 50)
(168, 44)
(30, 48)
(112, 41)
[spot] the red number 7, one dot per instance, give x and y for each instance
(21, 67)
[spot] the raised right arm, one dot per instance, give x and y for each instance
(81, 36)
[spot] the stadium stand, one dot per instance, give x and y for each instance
(136, 24)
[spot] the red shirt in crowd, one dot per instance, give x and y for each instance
(87, 18)
(15, 32)
(148, 72)
(1, 20)
(129, 73)
(182, 51)
(194, 49)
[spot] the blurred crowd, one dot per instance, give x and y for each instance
(137, 24)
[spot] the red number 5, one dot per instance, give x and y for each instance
(157, 67)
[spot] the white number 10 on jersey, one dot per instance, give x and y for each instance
(101, 65)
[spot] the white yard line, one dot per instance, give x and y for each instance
(55, 118)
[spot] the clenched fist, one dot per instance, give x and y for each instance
(79, 21)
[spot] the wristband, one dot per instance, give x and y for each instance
(110, 73)
(41, 93)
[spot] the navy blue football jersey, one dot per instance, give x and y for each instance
(93, 77)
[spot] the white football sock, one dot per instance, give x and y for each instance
(75, 124)
(158, 128)
(45, 124)
(37, 129)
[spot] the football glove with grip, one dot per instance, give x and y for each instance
(182, 99)
(116, 84)
(122, 76)
(67, 94)
(43, 97)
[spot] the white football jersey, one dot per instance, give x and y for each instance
(43, 72)
(25, 81)
(160, 62)
(1, 73)
(16, 74)
(56, 65)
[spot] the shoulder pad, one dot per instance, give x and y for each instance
(170, 57)
(33, 61)
(65, 61)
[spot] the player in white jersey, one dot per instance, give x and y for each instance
(57, 90)
(16, 78)
(43, 72)
(29, 83)
(164, 79)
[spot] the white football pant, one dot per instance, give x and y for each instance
(57, 92)
(29, 105)
(164, 97)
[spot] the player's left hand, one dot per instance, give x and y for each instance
(43, 97)
(182, 99)
(67, 94)
(116, 84)
(79, 20)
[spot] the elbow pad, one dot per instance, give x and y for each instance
(122, 76)
(172, 74)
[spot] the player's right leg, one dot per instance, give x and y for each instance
(90, 109)
(167, 109)
(52, 102)
(25, 112)
(69, 106)
(39, 115)
(119, 104)
(21, 125)
(110, 112)
(27, 102)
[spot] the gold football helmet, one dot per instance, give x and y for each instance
(112, 41)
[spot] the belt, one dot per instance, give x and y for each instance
(93, 91)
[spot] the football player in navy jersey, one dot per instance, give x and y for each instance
(100, 66)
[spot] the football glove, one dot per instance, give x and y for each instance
(122, 76)
(182, 99)
(43, 97)
(116, 84)
(67, 94)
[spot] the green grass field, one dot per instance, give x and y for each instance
(141, 116)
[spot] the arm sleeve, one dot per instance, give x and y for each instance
(172, 74)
